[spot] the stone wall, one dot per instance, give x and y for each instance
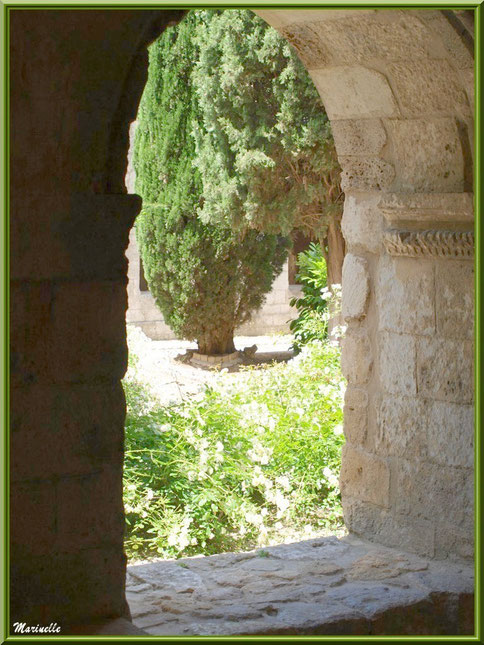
(397, 86)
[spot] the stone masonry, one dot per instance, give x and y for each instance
(398, 88)
(322, 586)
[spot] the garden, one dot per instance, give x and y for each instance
(234, 158)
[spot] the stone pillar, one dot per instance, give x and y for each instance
(68, 354)
(407, 476)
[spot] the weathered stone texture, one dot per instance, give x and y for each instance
(321, 586)
(364, 476)
(359, 137)
(366, 173)
(445, 369)
(355, 93)
(428, 155)
(454, 291)
(398, 363)
(401, 426)
(450, 539)
(428, 87)
(32, 511)
(63, 430)
(450, 433)
(360, 39)
(424, 211)
(458, 51)
(372, 522)
(356, 358)
(428, 490)
(362, 222)
(356, 415)
(82, 524)
(53, 323)
(356, 287)
(405, 294)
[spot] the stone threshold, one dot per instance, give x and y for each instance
(323, 586)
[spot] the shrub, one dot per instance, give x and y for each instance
(311, 323)
(235, 466)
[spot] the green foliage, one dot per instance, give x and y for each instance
(237, 465)
(206, 279)
(265, 152)
(312, 321)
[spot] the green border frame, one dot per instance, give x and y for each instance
(6, 6)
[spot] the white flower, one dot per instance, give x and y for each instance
(283, 481)
(338, 429)
(149, 494)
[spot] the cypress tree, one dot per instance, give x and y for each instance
(264, 146)
(206, 277)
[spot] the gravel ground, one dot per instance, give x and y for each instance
(171, 380)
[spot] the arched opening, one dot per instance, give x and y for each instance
(388, 78)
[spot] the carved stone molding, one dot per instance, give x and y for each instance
(442, 244)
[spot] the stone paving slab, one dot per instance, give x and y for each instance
(320, 586)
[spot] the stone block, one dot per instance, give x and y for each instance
(388, 36)
(280, 19)
(68, 587)
(362, 222)
(65, 247)
(427, 154)
(429, 491)
(450, 433)
(82, 524)
(88, 315)
(364, 477)
(448, 211)
(356, 357)
(53, 324)
(454, 289)
(445, 369)
(354, 92)
(405, 295)
(356, 287)
(312, 51)
(453, 42)
(356, 415)
(30, 318)
(364, 137)
(379, 525)
(401, 427)
(65, 429)
(468, 81)
(32, 518)
(366, 173)
(451, 540)
(426, 88)
(397, 363)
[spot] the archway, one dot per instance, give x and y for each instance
(389, 77)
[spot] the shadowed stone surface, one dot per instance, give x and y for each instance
(322, 586)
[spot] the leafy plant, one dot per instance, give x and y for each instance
(238, 465)
(311, 323)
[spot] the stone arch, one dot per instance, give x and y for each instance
(386, 77)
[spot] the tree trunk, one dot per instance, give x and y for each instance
(216, 343)
(336, 251)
